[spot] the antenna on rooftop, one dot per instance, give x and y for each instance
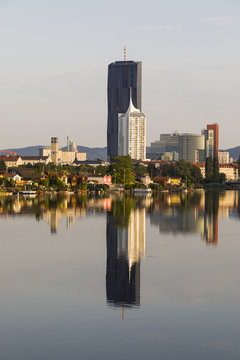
(125, 53)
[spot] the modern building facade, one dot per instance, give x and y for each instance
(122, 75)
(190, 146)
(132, 133)
(215, 129)
(211, 134)
(168, 143)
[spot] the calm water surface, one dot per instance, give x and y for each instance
(120, 278)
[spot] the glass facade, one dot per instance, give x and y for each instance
(122, 75)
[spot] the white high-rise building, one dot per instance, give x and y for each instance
(132, 133)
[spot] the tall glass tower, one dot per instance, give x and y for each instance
(122, 75)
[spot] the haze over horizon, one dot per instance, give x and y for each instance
(54, 58)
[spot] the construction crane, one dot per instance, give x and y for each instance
(8, 152)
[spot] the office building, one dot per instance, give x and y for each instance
(211, 134)
(122, 75)
(132, 133)
(190, 146)
(168, 143)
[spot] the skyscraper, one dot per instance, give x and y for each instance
(132, 133)
(215, 128)
(122, 75)
(211, 140)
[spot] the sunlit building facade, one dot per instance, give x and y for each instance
(132, 133)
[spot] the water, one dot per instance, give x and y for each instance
(120, 278)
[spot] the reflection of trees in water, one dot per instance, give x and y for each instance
(121, 210)
(189, 201)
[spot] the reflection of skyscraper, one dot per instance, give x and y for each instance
(125, 247)
(53, 221)
(211, 217)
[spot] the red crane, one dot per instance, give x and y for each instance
(8, 152)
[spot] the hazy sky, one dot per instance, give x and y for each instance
(54, 57)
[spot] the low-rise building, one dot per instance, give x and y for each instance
(166, 180)
(230, 170)
(15, 177)
(33, 160)
(223, 157)
(101, 180)
(11, 161)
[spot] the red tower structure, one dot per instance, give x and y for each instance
(215, 128)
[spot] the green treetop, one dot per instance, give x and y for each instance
(209, 169)
(3, 165)
(215, 170)
(122, 170)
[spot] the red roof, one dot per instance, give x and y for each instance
(9, 158)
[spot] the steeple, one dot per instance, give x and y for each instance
(131, 107)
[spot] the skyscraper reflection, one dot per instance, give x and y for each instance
(125, 248)
(211, 217)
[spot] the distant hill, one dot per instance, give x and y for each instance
(234, 152)
(92, 153)
(100, 152)
(27, 151)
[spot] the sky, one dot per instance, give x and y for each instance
(55, 53)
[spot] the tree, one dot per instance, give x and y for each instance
(101, 170)
(139, 170)
(56, 183)
(222, 178)
(209, 169)
(122, 170)
(152, 171)
(196, 175)
(3, 165)
(39, 168)
(215, 170)
(29, 165)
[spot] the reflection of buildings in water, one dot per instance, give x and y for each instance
(53, 209)
(176, 220)
(211, 229)
(125, 248)
(53, 216)
(191, 215)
